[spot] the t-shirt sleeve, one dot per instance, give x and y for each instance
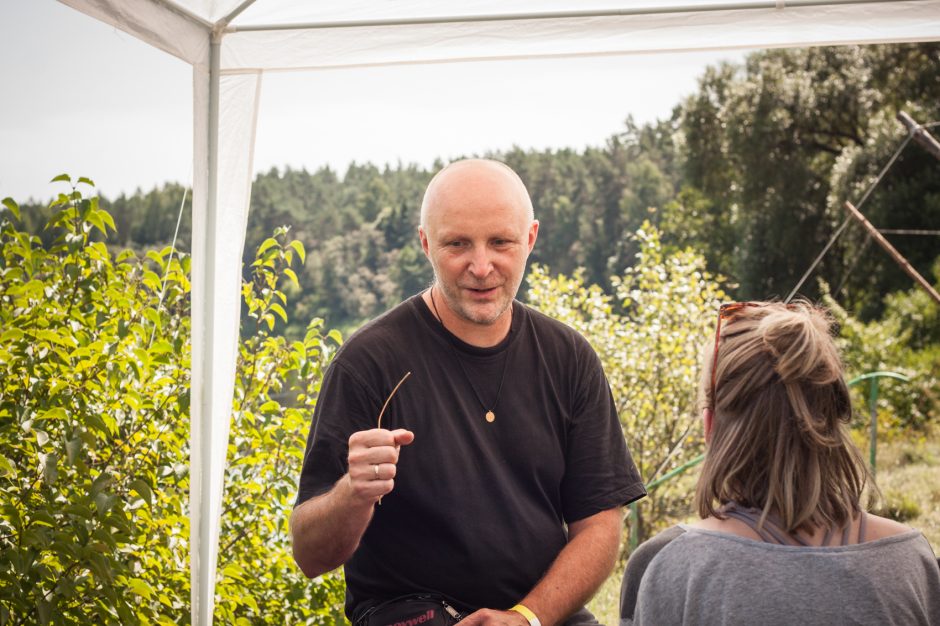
(346, 405)
(599, 472)
(636, 566)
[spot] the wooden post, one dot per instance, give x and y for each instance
(897, 256)
(920, 134)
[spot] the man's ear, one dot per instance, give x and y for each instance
(708, 417)
(423, 236)
(533, 233)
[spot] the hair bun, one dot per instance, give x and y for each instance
(798, 338)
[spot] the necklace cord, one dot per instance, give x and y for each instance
(502, 377)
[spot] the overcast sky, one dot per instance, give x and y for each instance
(80, 97)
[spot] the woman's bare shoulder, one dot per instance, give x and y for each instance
(880, 527)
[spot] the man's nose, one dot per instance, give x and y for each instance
(480, 263)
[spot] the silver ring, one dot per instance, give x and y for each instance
(375, 469)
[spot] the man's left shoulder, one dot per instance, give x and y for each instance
(551, 328)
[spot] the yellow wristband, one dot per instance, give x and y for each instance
(527, 613)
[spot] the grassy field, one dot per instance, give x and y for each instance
(909, 478)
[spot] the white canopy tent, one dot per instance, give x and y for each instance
(232, 43)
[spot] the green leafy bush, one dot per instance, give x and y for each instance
(94, 433)
(905, 340)
(94, 425)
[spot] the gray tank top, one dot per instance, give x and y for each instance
(771, 531)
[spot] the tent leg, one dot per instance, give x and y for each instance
(203, 532)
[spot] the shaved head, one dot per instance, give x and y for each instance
(480, 169)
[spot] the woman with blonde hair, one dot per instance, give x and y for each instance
(783, 536)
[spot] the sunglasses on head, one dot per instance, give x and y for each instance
(728, 311)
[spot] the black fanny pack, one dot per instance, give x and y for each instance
(412, 610)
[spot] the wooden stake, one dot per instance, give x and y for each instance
(920, 134)
(897, 256)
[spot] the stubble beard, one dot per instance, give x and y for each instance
(466, 313)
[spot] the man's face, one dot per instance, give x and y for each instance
(478, 235)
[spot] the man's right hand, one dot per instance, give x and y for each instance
(373, 462)
(326, 529)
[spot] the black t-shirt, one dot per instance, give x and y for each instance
(479, 509)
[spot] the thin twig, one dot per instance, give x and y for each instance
(385, 406)
(389, 398)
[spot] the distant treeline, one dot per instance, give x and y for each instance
(752, 170)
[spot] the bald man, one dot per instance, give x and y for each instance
(493, 487)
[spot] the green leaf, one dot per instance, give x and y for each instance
(267, 243)
(142, 489)
(44, 611)
(299, 247)
(72, 449)
(13, 206)
(140, 587)
(155, 256)
(61, 177)
(161, 347)
(87, 181)
(77, 510)
(107, 219)
(292, 276)
(55, 413)
(270, 406)
(336, 336)
(94, 421)
(95, 220)
(132, 399)
(44, 519)
(50, 469)
(55, 337)
(7, 467)
(233, 570)
(33, 536)
(101, 568)
(153, 317)
(277, 308)
(60, 199)
(250, 601)
(11, 335)
(104, 502)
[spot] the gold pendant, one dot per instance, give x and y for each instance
(490, 416)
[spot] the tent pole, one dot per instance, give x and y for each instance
(204, 563)
(550, 15)
(236, 12)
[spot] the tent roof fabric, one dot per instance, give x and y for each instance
(277, 35)
(373, 42)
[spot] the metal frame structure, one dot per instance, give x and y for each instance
(232, 43)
